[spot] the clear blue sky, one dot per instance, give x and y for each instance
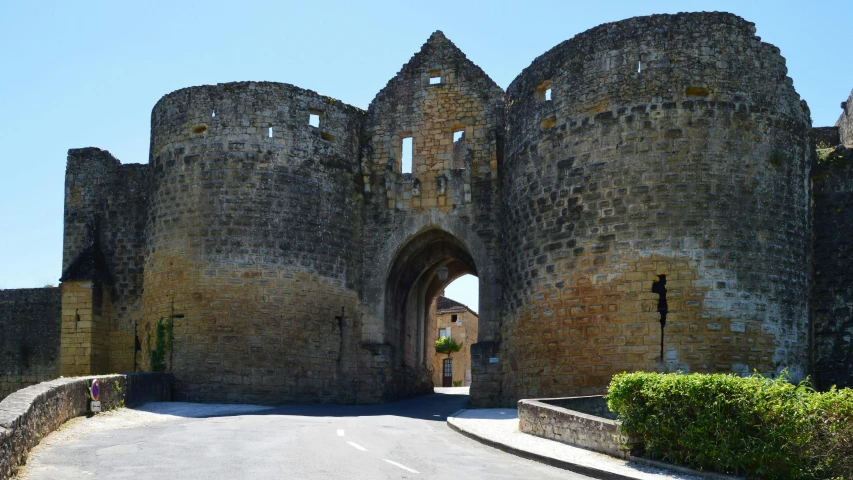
(78, 73)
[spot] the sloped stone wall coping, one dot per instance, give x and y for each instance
(29, 414)
(542, 417)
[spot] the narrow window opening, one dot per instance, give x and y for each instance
(639, 66)
(459, 149)
(542, 92)
(314, 119)
(269, 132)
(435, 77)
(213, 114)
(406, 155)
(659, 287)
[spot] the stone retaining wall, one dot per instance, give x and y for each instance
(29, 414)
(543, 418)
(11, 383)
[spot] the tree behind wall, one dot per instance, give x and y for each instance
(447, 346)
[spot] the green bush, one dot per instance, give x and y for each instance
(447, 346)
(753, 426)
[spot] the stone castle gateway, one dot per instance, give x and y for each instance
(273, 250)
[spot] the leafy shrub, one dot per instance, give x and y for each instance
(162, 345)
(753, 426)
(447, 346)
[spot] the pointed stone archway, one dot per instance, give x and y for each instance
(413, 283)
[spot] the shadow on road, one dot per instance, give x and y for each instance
(436, 406)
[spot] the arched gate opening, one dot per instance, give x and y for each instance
(419, 273)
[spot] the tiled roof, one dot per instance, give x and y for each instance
(446, 305)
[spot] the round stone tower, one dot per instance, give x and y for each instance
(655, 178)
(252, 244)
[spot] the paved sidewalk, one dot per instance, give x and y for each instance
(498, 427)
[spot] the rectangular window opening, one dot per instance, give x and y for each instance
(213, 114)
(269, 132)
(444, 333)
(435, 77)
(542, 92)
(314, 119)
(406, 155)
(454, 317)
(458, 150)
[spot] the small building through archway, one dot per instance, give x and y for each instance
(458, 322)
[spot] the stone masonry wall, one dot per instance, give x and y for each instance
(29, 337)
(673, 145)
(832, 303)
(254, 244)
(458, 198)
(263, 257)
(104, 197)
(85, 341)
(826, 137)
(542, 418)
(845, 122)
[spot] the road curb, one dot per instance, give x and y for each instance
(582, 469)
(572, 467)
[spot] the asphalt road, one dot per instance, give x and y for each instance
(406, 439)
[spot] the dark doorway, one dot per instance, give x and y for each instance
(447, 378)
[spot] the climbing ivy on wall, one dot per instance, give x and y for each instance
(162, 344)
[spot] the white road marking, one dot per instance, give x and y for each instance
(357, 446)
(401, 466)
(340, 433)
